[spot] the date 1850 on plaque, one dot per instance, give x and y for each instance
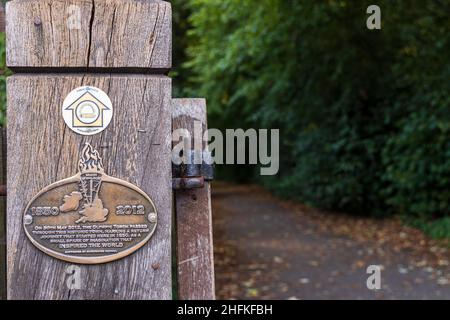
(91, 217)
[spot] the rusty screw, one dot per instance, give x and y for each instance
(155, 266)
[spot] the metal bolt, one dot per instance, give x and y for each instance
(27, 220)
(188, 183)
(152, 217)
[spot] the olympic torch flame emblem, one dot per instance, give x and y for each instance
(91, 172)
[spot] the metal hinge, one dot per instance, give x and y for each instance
(191, 175)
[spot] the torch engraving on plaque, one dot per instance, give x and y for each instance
(91, 172)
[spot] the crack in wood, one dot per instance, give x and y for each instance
(91, 25)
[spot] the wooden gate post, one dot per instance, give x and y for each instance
(2, 192)
(122, 47)
(193, 215)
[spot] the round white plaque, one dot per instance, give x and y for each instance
(87, 110)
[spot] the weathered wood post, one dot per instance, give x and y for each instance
(57, 235)
(2, 192)
(193, 214)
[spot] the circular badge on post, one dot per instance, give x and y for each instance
(87, 110)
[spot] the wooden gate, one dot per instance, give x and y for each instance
(123, 48)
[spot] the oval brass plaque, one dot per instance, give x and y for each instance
(91, 217)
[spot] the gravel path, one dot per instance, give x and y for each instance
(266, 248)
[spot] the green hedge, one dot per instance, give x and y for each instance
(364, 115)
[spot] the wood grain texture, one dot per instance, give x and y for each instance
(117, 35)
(193, 218)
(43, 150)
(2, 215)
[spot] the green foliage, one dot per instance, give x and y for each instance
(438, 229)
(180, 26)
(364, 115)
(416, 156)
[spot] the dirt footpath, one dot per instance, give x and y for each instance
(266, 248)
